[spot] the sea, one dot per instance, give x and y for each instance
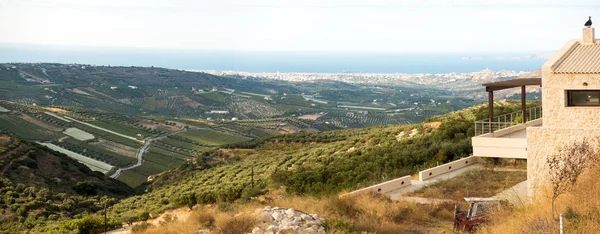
(277, 61)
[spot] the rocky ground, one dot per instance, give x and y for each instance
(280, 220)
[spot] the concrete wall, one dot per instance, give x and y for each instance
(545, 141)
(500, 147)
(448, 167)
(385, 186)
(490, 145)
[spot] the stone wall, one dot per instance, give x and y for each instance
(545, 141)
(554, 99)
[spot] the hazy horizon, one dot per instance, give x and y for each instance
(277, 61)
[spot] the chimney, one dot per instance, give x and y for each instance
(589, 36)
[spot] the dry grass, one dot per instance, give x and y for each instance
(237, 224)
(368, 213)
(373, 213)
(580, 206)
(474, 183)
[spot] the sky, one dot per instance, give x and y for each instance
(306, 25)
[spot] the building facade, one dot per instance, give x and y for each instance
(571, 105)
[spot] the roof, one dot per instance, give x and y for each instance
(579, 58)
(507, 84)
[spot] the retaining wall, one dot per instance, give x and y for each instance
(385, 186)
(448, 167)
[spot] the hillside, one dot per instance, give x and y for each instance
(223, 167)
(310, 164)
(168, 92)
(40, 186)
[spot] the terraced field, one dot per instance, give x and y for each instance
(15, 124)
(211, 137)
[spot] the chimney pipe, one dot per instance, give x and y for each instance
(589, 36)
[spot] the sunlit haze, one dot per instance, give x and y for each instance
(309, 25)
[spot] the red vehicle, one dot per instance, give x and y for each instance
(468, 220)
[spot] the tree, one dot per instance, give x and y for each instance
(567, 165)
(86, 188)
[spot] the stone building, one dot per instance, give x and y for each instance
(571, 104)
(570, 108)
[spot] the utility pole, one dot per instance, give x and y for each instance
(253, 177)
(104, 216)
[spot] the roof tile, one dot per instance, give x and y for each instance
(581, 58)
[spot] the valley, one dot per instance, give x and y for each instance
(177, 138)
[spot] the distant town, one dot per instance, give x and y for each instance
(376, 78)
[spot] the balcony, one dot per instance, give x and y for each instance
(506, 137)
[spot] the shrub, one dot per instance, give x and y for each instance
(140, 227)
(86, 188)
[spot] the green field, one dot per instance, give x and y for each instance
(132, 178)
(211, 137)
(106, 135)
(120, 128)
(184, 145)
(103, 154)
(25, 129)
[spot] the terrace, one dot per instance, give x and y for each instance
(505, 136)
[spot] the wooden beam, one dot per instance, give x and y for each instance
(523, 104)
(491, 109)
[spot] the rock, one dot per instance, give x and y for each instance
(306, 217)
(257, 230)
(309, 230)
(277, 216)
(290, 212)
(280, 220)
(267, 217)
(271, 228)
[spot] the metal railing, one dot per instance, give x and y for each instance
(507, 120)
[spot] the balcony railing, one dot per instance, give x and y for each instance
(507, 120)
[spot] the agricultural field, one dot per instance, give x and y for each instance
(104, 129)
(132, 178)
(78, 134)
(97, 153)
(121, 128)
(95, 165)
(115, 147)
(108, 136)
(15, 124)
(211, 137)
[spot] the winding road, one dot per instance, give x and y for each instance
(140, 153)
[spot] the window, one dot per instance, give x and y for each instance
(583, 98)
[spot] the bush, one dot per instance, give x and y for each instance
(86, 188)
(140, 227)
(90, 224)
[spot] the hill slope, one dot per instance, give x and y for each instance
(310, 163)
(40, 186)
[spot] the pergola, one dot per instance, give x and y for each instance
(507, 84)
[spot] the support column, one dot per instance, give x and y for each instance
(491, 109)
(523, 104)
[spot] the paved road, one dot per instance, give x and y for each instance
(142, 151)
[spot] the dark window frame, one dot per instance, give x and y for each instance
(570, 103)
